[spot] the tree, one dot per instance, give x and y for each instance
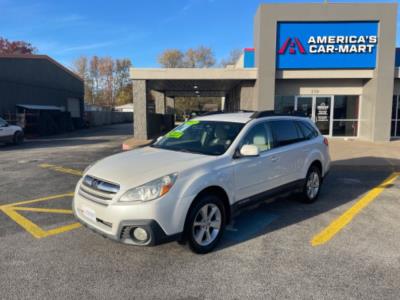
(171, 58)
(186, 105)
(81, 67)
(106, 73)
(233, 57)
(122, 84)
(94, 77)
(200, 57)
(106, 80)
(204, 57)
(15, 47)
(190, 59)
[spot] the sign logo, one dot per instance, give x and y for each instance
(326, 45)
(95, 183)
(331, 44)
(292, 46)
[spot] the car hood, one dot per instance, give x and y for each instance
(14, 128)
(136, 167)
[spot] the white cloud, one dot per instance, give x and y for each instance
(85, 47)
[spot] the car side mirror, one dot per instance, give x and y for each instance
(249, 151)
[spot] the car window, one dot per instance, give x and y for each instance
(308, 131)
(261, 136)
(285, 132)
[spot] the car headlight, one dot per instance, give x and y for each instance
(151, 190)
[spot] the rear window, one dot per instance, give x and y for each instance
(307, 129)
(285, 132)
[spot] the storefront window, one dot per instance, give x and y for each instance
(345, 116)
(395, 128)
(345, 128)
(284, 104)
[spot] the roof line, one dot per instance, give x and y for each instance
(42, 56)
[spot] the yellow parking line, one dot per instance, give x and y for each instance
(30, 227)
(11, 210)
(61, 169)
(63, 229)
(338, 224)
(38, 200)
(45, 210)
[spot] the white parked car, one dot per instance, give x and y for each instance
(188, 184)
(10, 133)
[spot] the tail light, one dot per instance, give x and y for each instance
(326, 141)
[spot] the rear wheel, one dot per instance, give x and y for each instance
(312, 185)
(206, 223)
(18, 138)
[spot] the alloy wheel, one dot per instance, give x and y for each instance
(313, 185)
(207, 224)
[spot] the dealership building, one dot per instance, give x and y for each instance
(336, 63)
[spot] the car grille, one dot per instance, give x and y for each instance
(97, 190)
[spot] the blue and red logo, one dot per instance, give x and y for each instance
(292, 45)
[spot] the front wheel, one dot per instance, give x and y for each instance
(312, 185)
(18, 138)
(206, 223)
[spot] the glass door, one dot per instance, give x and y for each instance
(317, 108)
(323, 114)
(305, 105)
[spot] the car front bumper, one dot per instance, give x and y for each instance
(116, 222)
(156, 233)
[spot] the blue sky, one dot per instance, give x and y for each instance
(139, 30)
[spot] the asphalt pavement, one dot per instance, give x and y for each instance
(267, 252)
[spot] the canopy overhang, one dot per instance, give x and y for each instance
(188, 82)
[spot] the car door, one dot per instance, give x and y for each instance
(288, 150)
(4, 132)
(254, 175)
(308, 134)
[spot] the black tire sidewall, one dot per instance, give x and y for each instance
(18, 138)
(206, 199)
(305, 197)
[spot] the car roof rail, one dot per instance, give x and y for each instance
(271, 113)
(215, 112)
(218, 112)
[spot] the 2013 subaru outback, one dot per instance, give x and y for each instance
(188, 184)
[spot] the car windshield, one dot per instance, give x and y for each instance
(2, 122)
(197, 136)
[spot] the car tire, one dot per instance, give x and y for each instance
(18, 138)
(312, 185)
(205, 224)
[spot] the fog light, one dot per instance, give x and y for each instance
(140, 234)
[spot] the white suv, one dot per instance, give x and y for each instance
(10, 133)
(190, 182)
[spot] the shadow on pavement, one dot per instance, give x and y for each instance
(53, 144)
(346, 181)
(82, 137)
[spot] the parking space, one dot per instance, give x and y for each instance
(343, 246)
